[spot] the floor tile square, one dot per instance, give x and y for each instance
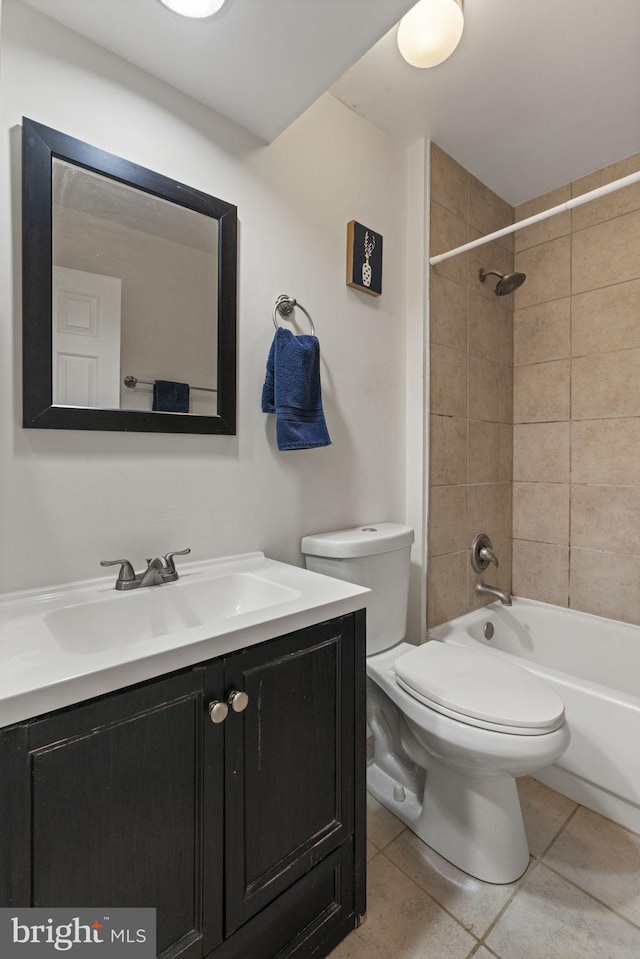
(544, 812)
(602, 858)
(403, 922)
(382, 825)
(551, 919)
(474, 903)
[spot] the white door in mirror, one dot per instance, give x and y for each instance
(86, 339)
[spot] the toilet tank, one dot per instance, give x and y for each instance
(376, 556)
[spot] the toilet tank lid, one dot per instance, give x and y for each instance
(366, 540)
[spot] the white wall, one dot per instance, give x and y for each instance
(69, 499)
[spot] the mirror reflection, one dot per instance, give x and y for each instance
(134, 298)
(128, 294)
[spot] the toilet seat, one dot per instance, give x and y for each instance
(479, 689)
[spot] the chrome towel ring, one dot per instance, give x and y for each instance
(285, 306)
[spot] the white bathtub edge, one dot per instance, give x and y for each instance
(593, 797)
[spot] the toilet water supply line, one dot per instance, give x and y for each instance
(552, 211)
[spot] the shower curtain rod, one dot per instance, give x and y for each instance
(552, 211)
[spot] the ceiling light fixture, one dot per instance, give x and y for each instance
(430, 32)
(198, 9)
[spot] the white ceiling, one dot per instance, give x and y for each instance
(538, 93)
(261, 63)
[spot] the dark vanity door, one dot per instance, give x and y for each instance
(116, 797)
(289, 769)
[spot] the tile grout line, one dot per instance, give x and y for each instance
(433, 899)
(586, 892)
(521, 883)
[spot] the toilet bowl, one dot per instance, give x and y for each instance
(452, 727)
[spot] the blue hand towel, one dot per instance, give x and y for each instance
(170, 397)
(292, 391)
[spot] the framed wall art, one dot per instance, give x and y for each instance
(364, 258)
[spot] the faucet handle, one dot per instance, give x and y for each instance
(126, 574)
(487, 554)
(171, 566)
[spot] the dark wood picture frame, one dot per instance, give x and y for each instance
(40, 144)
(364, 258)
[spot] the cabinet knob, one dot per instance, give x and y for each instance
(238, 701)
(218, 711)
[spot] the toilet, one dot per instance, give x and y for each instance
(452, 727)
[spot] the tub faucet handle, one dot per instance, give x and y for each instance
(482, 553)
(487, 554)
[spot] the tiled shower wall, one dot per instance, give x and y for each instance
(471, 350)
(576, 471)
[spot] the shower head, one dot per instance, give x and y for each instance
(507, 282)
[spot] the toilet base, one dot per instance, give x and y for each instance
(473, 821)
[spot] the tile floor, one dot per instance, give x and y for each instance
(579, 898)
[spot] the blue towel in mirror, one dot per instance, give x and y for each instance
(292, 391)
(170, 397)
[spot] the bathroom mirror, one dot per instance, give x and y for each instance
(129, 281)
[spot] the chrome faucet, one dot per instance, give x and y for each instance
(484, 589)
(160, 570)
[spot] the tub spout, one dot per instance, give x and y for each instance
(483, 589)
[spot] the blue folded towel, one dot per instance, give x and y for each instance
(292, 391)
(170, 397)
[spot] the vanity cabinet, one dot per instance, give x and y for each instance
(247, 835)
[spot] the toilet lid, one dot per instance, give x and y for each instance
(479, 685)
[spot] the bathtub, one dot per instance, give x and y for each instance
(594, 665)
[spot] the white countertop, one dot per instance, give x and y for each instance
(64, 645)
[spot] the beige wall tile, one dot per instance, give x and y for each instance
(492, 256)
(606, 584)
(548, 269)
(449, 183)
(483, 452)
(614, 204)
(489, 212)
(448, 450)
(447, 312)
(483, 511)
(506, 336)
(448, 381)
(506, 394)
(606, 253)
(506, 510)
(446, 233)
(541, 571)
(485, 327)
(503, 548)
(542, 332)
(606, 452)
(606, 319)
(505, 453)
(541, 392)
(447, 519)
(605, 385)
(606, 517)
(541, 453)
(541, 512)
(545, 230)
(447, 587)
(484, 389)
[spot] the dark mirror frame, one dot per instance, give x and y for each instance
(40, 145)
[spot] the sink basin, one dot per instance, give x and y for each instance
(65, 644)
(120, 619)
